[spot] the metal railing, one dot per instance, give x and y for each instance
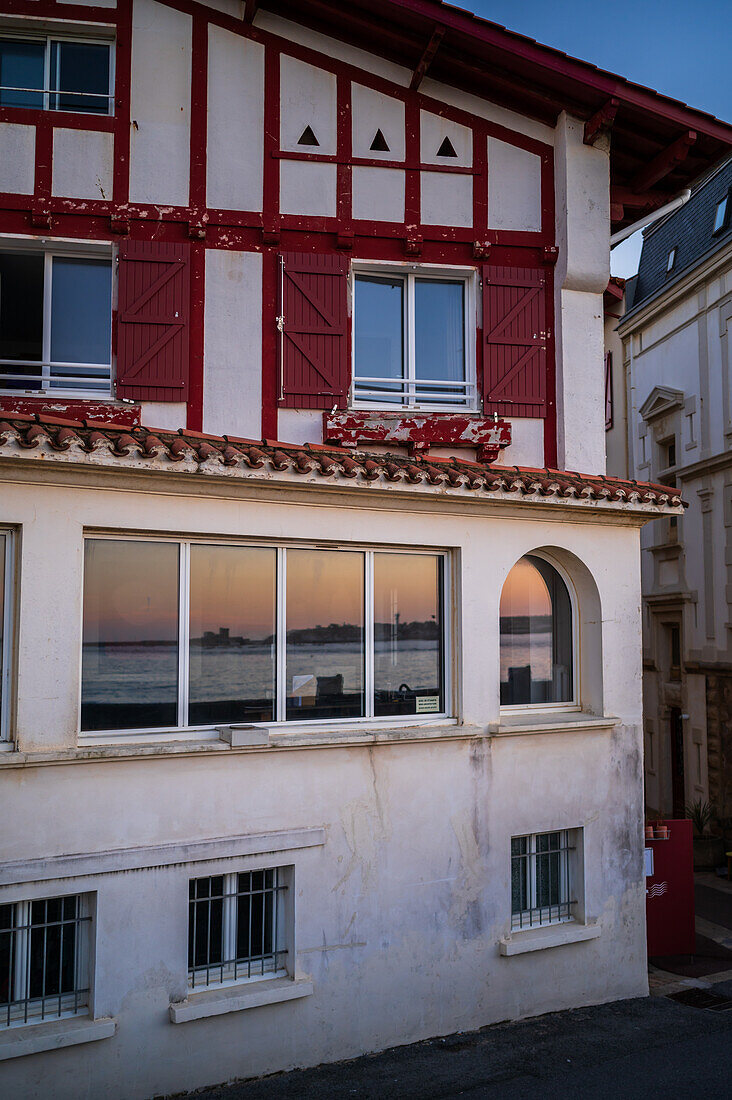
(46, 377)
(414, 392)
(235, 927)
(58, 93)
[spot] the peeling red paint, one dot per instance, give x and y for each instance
(419, 432)
(104, 412)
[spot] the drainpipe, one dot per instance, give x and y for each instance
(649, 219)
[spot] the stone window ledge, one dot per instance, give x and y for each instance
(513, 725)
(237, 998)
(552, 935)
(15, 1042)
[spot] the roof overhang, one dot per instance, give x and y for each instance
(659, 145)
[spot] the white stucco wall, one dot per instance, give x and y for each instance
(17, 157)
(582, 199)
(160, 107)
(372, 111)
(82, 164)
(235, 121)
(307, 98)
(514, 188)
(232, 356)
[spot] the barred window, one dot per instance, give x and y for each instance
(541, 879)
(43, 959)
(236, 927)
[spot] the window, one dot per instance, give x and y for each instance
(411, 341)
(236, 927)
(56, 74)
(721, 215)
(6, 609)
(536, 635)
(673, 633)
(55, 322)
(541, 879)
(671, 261)
(195, 634)
(43, 959)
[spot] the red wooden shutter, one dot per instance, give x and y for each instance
(152, 321)
(314, 361)
(515, 334)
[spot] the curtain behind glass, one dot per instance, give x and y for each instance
(439, 337)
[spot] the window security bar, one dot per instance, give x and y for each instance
(414, 391)
(40, 377)
(57, 92)
(235, 927)
(41, 960)
(540, 880)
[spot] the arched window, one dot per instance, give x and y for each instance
(536, 635)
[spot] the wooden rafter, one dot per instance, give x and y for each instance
(601, 121)
(649, 199)
(664, 162)
(427, 57)
(250, 10)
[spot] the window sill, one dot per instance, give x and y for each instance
(237, 998)
(513, 725)
(16, 1042)
(551, 935)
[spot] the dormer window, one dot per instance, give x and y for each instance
(56, 74)
(721, 215)
(671, 261)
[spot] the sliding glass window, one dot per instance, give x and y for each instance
(186, 634)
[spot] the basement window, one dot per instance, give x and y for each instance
(56, 74)
(541, 879)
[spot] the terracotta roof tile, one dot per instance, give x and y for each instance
(21, 434)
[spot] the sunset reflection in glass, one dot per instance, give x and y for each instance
(129, 676)
(232, 634)
(407, 634)
(325, 634)
(536, 635)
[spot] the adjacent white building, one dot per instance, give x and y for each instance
(321, 673)
(672, 421)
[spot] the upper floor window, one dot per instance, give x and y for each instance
(193, 634)
(671, 261)
(537, 645)
(6, 605)
(56, 74)
(44, 965)
(411, 341)
(55, 322)
(721, 215)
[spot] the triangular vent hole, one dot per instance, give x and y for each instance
(307, 137)
(379, 145)
(447, 149)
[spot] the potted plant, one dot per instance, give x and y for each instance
(708, 849)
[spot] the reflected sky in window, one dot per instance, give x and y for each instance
(407, 634)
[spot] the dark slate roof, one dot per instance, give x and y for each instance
(689, 230)
(90, 442)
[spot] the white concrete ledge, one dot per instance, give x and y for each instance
(553, 935)
(160, 855)
(16, 1042)
(237, 998)
(513, 725)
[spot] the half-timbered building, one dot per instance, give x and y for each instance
(321, 664)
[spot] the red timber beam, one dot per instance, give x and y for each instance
(601, 121)
(427, 58)
(664, 162)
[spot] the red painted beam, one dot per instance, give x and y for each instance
(426, 59)
(418, 431)
(664, 162)
(649, 199)
(601, 121)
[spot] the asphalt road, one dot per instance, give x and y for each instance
(649, 1048)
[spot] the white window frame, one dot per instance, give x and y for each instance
(524, 920)
(573, 704)
(62, 250)
(47, 91)
(280, 721)
(282, 932)
(722, 208)
(53, 1006)
(8, 648)
(410, 273)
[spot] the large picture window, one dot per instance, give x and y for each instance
(55, 322)
(56, 74)
(189, 634)
(536, 636)
(411, 341)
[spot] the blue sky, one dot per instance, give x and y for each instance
(681, 49)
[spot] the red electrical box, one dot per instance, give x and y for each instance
(670, 890)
